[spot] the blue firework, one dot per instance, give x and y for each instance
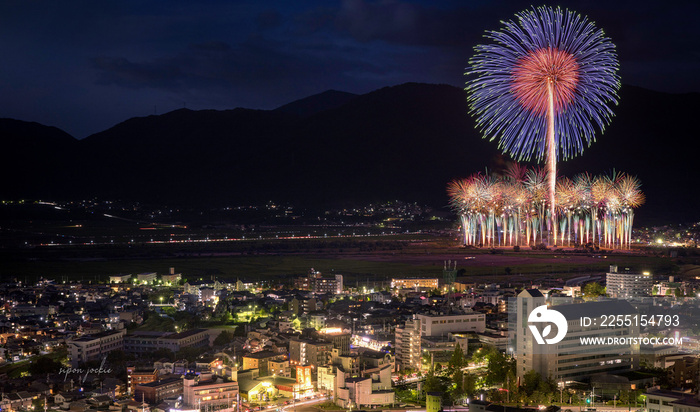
(549, 62)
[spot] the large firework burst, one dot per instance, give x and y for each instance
(543, 86)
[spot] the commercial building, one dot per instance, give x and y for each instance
(207, 392)
(155, 392)
(442, 324)
(626, 284)
(94, 347)
(119, 278)
(371, 391)
(411, 283)
(570, 359)
(142, 343)
(147, 277)
(659, 400)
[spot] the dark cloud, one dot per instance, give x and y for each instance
(269, 19)
(408, 23)
(121, 59)
(248, 73)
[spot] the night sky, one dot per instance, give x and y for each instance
(84, 66)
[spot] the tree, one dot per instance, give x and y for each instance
(592, 290)
(457, 359)
(117, 357)
(162, 353)
(469, 384)
(499, 367)
(223, 339)
(38, 404)
(458, 389)
(433, 383)
(44, 365)
(531, 381)
(189, 353)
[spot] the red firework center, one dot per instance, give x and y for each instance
(535, 71)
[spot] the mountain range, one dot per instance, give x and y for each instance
(402, 142)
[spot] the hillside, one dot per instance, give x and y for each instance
(406, 141)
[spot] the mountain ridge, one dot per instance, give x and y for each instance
(406, 141)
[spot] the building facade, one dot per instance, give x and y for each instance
(411, 283)
(206, 392)
(585, 349)
(94, 347)
(442, 324)
(304, 352)
(155, 392)
(198, 338)
(626, 284)
(408, 345)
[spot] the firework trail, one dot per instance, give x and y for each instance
(512, 209)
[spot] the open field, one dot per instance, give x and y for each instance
(367, 260)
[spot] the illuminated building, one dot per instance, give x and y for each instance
(157, 391)
(119, 278)
(436, 325)
(206, 392)
(94, 347)
(137, 376)
(304, 352)
(340, 340)
(147, 277)
(371, 391)
(144, 343)
(627, 284)
(407, 345)
(569, 360)
(261, 361)
(411, 283)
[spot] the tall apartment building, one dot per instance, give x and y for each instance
(332, 285)
(300, 306)
(94, 347)
(571, 359)
(624, 285)
(442, 324)
(407, 345)
(303, 352)
(340, 340)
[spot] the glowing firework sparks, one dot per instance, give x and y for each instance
(511, 210)
(543, 86)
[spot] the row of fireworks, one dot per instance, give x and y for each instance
(514, 209)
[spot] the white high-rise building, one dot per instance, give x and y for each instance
(625, 285)
(407, 345)
(570, 359)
